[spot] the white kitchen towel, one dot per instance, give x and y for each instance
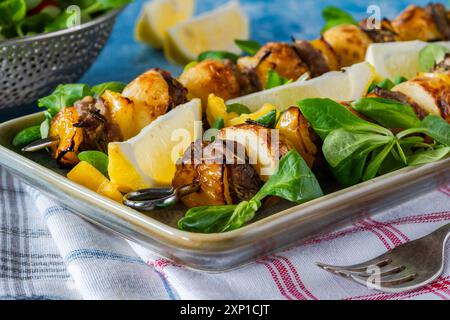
(50, 253)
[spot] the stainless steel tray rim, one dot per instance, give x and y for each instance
(244, 236)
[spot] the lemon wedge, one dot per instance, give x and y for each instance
(350, 84)
(394, 59)
(149, 159)
(214, 30)
(157, 16)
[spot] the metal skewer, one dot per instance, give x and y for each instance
(41, 144)
(154, 198)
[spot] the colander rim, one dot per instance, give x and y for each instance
(104, 17)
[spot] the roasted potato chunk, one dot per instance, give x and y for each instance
(416, 23)
(223, 177)
(70, 137)
(296, 129)
(277, 56)
(213, 76)
(349, 42)
(149, 96)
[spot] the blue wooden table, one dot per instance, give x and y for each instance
(123, 58)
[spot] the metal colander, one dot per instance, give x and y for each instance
(31, 67)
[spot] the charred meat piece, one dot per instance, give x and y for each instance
(214, 76)
(386, 32)
(439, 14)
(328, 53)
(443, 66)
(224, 176)
(349, 42)
(277, 56)
(312, 57)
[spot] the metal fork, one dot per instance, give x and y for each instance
(407, 267)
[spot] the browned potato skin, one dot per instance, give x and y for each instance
(210, 178)
(212, 76)
(220, 182)
(297, 130)
(277, 56)
(70, 137)
(349, 42)
(415, 23)
(328, 53)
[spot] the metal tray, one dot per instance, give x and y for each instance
(281, 226)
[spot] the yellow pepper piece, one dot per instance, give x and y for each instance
(265, 109)
(88, 176)
(216, 108)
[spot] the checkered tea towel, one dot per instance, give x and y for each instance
(47, 252)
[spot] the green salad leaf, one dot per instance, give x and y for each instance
(12, 12)
(45, 125)
(334, 16)
(238, 108)
(430, 55)
(357, 150)
(97, 159)
(275, 80)
(29, 17)
(388, 113)
(428, 156)
(206, 219)
(114, 86)
(268, 120)
(64, 95)
(218, 124)
(293, 181)
(27, 136)
(378, 158)
(326, 115)
(249, 46)
(341, 144)
(218, 55)
(433, 126)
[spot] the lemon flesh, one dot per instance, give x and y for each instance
(394, 59)
(157, 16)
(347, 85)
(149, 159)
(214, 30)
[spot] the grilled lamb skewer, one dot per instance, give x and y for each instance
(340, 46)
(92, 123)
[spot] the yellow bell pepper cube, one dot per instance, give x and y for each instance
(88, 176)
